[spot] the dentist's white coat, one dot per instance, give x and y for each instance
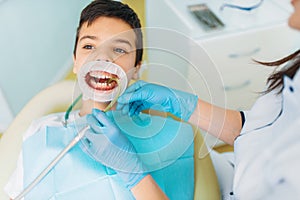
(267, 153)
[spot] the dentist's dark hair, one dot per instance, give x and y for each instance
(275, 80)
(114, 9)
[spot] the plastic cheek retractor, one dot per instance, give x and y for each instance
(101, 81)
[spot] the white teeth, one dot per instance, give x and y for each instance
(99, 76)
(101, 90)
(101, 85)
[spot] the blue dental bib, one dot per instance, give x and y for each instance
(165, 146)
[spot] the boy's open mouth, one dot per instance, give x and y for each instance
(102, 81)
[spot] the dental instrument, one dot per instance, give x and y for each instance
(53, 163)
(66, 117)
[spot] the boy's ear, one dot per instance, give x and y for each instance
(136, 74)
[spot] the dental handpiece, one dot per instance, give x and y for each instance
(44, 173)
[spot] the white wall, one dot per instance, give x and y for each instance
(36, 44)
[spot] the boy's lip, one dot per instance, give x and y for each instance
(101, 80)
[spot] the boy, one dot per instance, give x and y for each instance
(108, 35)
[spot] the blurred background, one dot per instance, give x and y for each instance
(36, 40)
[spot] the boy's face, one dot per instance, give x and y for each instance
(107, 39)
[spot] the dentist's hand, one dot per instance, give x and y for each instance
(141, 96)
(105, 143)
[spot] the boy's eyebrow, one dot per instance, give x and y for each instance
(88, 37)
(120, 40)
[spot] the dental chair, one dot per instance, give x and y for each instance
(57, 98)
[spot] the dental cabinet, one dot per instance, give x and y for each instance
(215, 60)
(261, 34)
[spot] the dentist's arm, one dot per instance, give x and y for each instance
(222, 123)
(105, 143)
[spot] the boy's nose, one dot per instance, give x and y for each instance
(103, 57)
(102, 54)
(103, 60)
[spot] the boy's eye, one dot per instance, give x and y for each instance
(88, 47)
(119, 50)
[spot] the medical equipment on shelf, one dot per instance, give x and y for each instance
(245, 8)
(206, 17)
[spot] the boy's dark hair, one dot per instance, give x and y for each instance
(114, 9)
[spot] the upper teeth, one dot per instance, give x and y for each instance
(100, 76)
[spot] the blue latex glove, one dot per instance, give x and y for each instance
(142, 95)
(105, 143)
